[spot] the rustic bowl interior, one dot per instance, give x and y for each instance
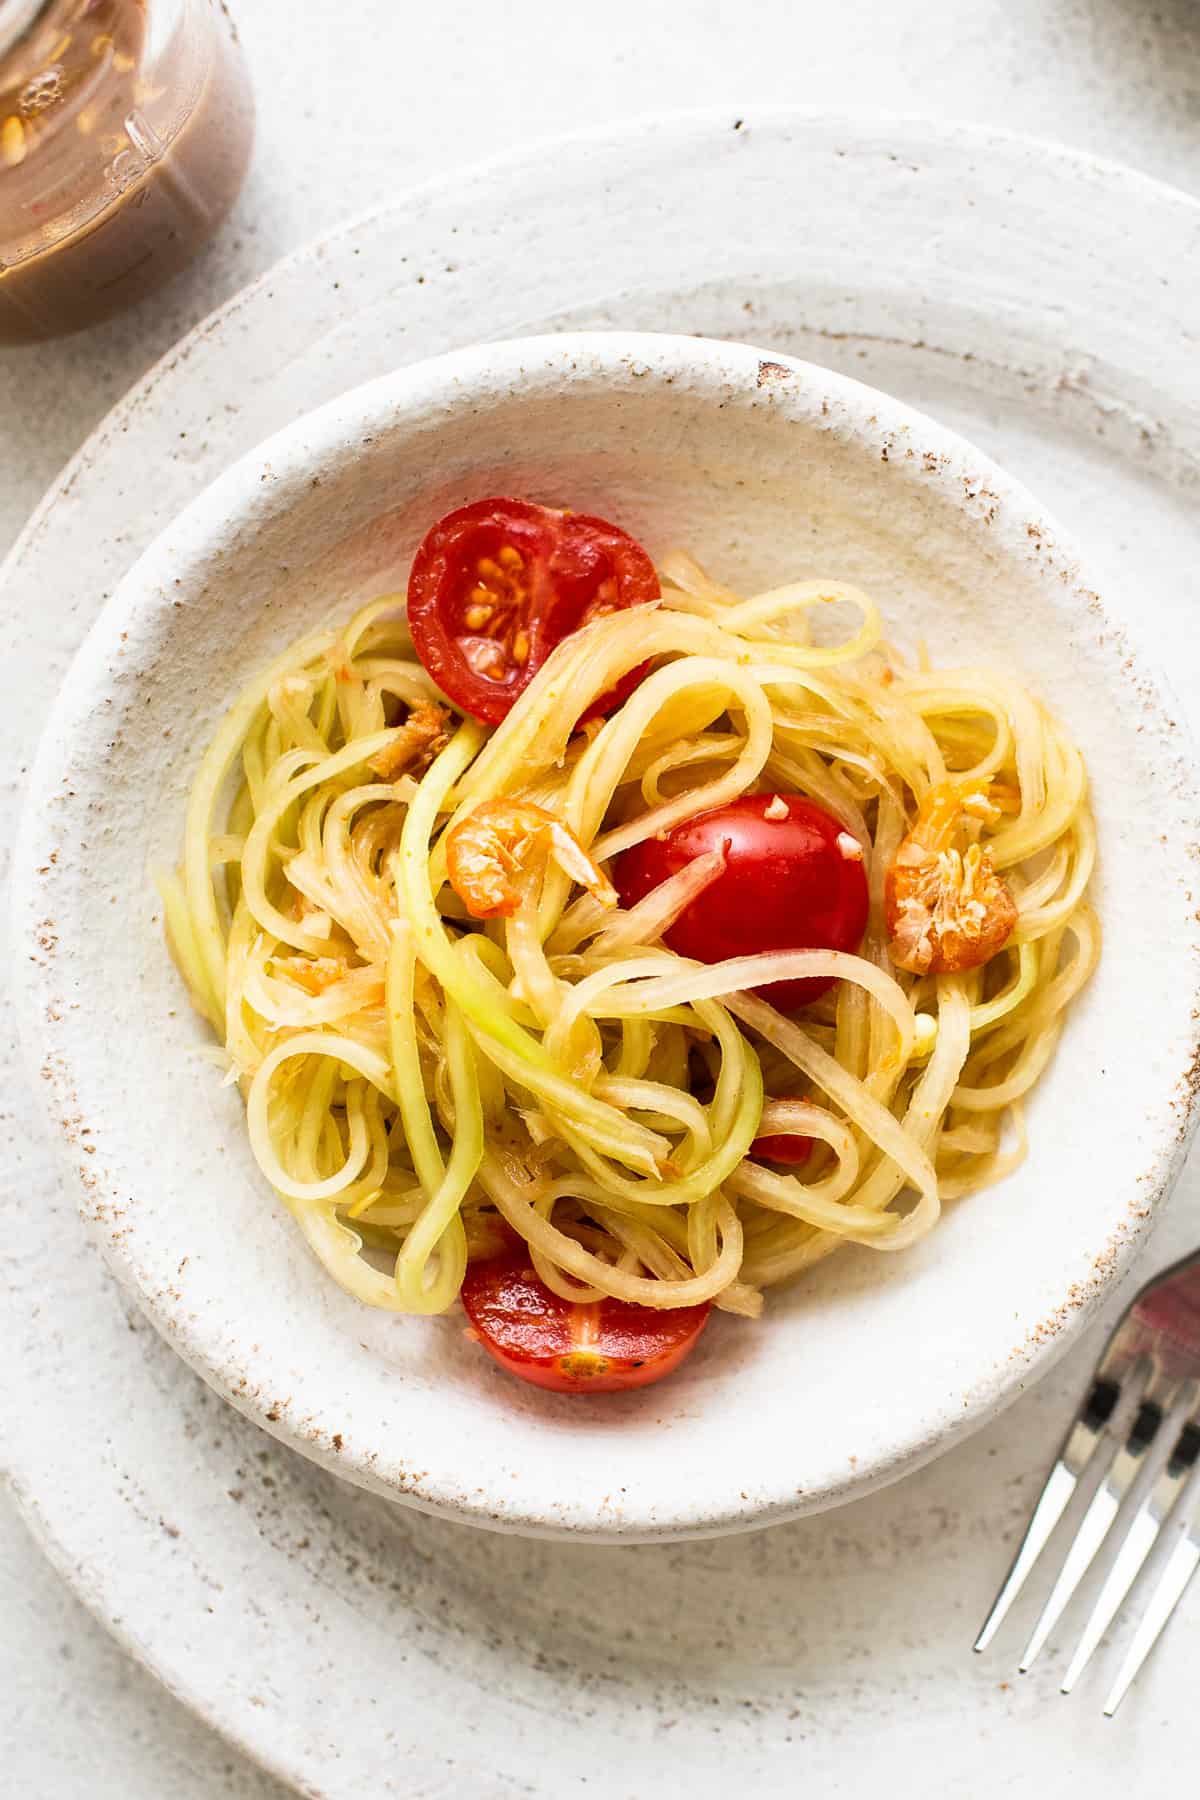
(764, 469)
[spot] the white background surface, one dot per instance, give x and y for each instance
(356, 101)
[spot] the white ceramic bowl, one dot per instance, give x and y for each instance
(765, 469)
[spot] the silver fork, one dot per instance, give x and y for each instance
(1133, 1454)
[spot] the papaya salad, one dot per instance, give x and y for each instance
(597, 946)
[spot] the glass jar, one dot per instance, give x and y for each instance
(125, 131)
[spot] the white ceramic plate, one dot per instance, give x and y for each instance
(765, 470)
(252, 1581)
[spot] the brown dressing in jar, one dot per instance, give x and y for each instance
(125, 132)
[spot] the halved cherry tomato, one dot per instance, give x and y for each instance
(595, 1349)
(783, 1146)
(793, 880)
(495, 586)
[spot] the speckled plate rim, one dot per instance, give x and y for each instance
(79, 1537)
(257, 1362)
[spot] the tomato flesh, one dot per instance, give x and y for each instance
(781, 1147)
(793, 880)
(601, 1348)
(496, 586)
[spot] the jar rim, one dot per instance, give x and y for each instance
(16, 16)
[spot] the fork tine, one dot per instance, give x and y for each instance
(1140, 1539)
(1053, 1502)
(1095, 1525)
(1181, 1566)
(1137, 1546)
(1079, 1446)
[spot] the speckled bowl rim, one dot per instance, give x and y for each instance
(291, 455)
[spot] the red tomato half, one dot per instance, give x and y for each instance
(795, 882)
(494, 587)
(782, 1147)
(596, 1349)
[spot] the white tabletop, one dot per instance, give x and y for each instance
(357, 101)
